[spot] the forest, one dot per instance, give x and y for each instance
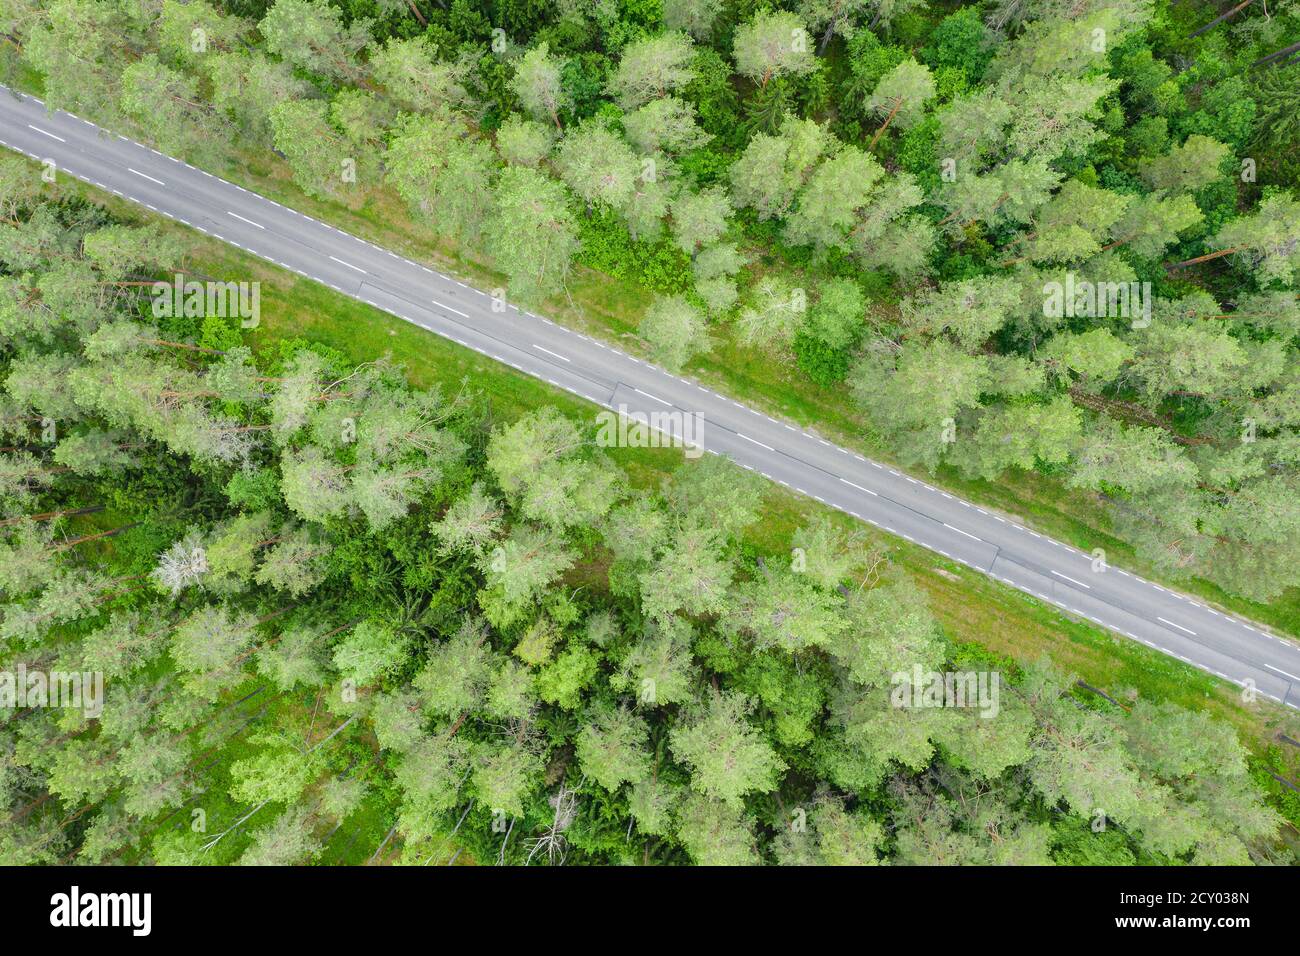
(325, 602)
(876, 193)
(488, 630)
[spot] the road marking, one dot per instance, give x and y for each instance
(1072, 580)
(145, 176)
(242, 219)
(46, 133)
(768, 447)
(959, 531)
(1179, 626)
(1280, 671)
(349, 265)
(449, 308)
(549, 352)
(654, 398)
(859, 487)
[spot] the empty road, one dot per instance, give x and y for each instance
(1175, 624)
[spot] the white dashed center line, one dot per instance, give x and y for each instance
(756, 442)
(653, 398)
(1282, 672)
(349, 265)
(46, 133)
(242, 219)
(549, 352)
(1072, 580)
(1179, 626)
(858, 487)
(959, 531)
(464, 315)
(145, 176)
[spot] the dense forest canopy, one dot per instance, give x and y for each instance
(319, 595)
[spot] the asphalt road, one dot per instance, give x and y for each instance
(1175, 624)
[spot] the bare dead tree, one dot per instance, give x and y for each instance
(1219, 19)
(501, 857)
(553, 842)
(1280, 57)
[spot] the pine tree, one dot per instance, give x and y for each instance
(651, 68)
(727, 757)
(530, 233)
(675, 331)
(771, 45)
(538, 85)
